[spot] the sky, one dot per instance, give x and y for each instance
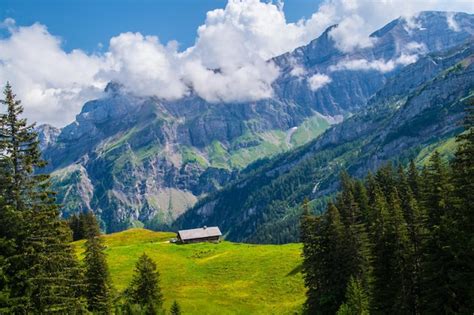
(89, 24)
(60, 54)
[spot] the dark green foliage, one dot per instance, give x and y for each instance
(83, 224)
(175, 309)
(144, 290)
(463, 214)
(39, 272)
(20, 156)
(449, 264)
(357, 300)
(46, 275)
(399, 243)
(98, 286)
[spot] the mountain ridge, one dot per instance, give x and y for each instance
(142, 160)
(263, 205)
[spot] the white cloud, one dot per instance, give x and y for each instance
(451, 20)
(52, 84)
(379, 65)
(350, 34)
(317, 81)
(145, 66)
(297, 70)
(227, 63)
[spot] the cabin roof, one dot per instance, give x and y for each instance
(199, 233)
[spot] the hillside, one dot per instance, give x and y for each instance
(143, 160)
(225, 278)
(420, 108)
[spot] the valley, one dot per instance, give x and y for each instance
(145, 162)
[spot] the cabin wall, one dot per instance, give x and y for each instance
(204, 239)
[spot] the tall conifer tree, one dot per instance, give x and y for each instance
(43, 273)
(462, 231)
(144, 290)
(98, 286)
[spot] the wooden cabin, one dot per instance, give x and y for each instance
(204, 234)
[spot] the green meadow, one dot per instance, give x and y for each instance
(206, 278)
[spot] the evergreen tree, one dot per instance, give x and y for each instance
(76, 228)
(356, 240)
(89, 225)
(439, 289)
(144, 290)
(98, 287)
(42, 272)
(416, 220)
(381, 260)
(414, 180)
(48, 277)
(175, 309)
(462, 229)
(357, 300)
(309, 227)
(20, 145)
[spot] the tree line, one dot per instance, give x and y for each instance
(401, 241)
(39, 269)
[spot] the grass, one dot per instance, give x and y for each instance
(445, 148)
(190, 156)
(309, 129)
(224, 278)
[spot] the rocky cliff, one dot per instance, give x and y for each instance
(398, 124)
(136, 160)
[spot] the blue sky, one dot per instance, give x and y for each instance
(86, 23)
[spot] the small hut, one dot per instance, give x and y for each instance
(204, 234)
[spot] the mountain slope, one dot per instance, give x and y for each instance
(136, 160)
(404, 117)
(224, 278)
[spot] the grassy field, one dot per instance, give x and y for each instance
(224, 278)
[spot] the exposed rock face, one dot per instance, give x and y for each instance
(47, 135)
(133, 158)
(263, 203)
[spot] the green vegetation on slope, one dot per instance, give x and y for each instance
(445, 148)
(250, 147)
(224, 278)
(309, 130)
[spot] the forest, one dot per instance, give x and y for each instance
(401, 241)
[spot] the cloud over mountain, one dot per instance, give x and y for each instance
(227, 63)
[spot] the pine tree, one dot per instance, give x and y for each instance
(383, 258)
(89, 225)
(449, 267)
(98, 286)
(309, 236)
(20, 145)
(49, 277)
(75, 226)
(175, 309)
(357, 300)
(414, 180)
(144, 290)
(43, 273)
(416, 224)
(439, 294)
(462, 229)
(356, 240)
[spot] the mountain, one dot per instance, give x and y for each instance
(419, 108)
(136, 160)
(47, 135)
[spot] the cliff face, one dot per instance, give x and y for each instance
(397, 125)
(137, 160)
